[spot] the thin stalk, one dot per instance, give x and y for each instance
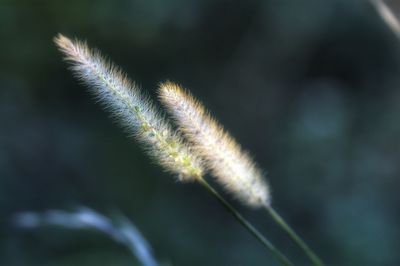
(292, 234)
(274, 251)
(388, 15)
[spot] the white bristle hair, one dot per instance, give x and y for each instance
(232, 167)
(126, 102)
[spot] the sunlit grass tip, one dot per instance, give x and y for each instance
(127, 103)
(232, 167)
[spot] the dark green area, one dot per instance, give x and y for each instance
(310, 88)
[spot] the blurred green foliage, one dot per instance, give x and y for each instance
(311, 88)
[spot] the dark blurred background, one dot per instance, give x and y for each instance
(309, 87)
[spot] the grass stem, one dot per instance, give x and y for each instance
(267, 244)
(292, 234)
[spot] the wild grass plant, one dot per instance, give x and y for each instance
(199, 145)
(232, 167)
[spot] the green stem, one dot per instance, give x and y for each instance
(292, 234)
(275, 252)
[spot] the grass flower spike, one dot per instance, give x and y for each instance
(232, 167)
(131, 107)
(138, 115)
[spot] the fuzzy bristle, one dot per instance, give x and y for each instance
(126, 102)
(231, 166)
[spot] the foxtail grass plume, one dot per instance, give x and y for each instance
(232, 167)
(126, 102)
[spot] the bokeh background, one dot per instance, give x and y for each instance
(311, 88)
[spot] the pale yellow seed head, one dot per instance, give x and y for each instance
(125, 100)
(232, 167)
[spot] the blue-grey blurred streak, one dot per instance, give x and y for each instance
(121, 230)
